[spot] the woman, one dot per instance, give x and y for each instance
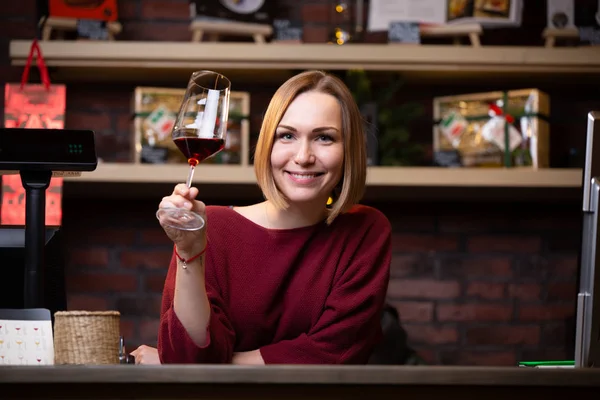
(288, 280)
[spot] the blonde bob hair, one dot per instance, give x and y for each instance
(351, 187)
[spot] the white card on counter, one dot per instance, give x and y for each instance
(26, 337)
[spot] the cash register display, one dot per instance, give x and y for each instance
(47, 146)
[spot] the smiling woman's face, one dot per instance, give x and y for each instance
(308, 152)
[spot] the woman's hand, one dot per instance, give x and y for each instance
(189, 243)
(146, 355)
(248, 358)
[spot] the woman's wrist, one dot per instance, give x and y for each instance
(188, 257)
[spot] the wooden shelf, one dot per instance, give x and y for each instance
(238, 184)
(474, 177)
(376, 176)
(166, 173)
(126, 59)
(160, 62)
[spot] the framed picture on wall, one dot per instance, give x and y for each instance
(488, 13)
(252, 11)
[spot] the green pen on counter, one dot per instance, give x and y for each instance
(564, 363)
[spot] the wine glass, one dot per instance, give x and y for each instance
(199, 132)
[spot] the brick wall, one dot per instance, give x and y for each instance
(472, 285)
(475, 282)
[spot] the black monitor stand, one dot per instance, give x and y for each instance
(35, 184)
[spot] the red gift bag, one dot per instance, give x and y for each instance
(32, 106)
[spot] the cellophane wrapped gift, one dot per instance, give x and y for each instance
(492, 129)
(155, 112)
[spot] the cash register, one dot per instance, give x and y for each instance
(31, 256)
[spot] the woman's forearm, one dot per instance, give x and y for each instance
(190, 301)
(248, 358)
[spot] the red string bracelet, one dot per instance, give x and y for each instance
(189, 260)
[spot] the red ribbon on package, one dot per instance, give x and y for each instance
(498, 112)
(29, 105)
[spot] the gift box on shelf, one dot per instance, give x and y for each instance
(492, 129)
(155, 111)
(104, 10)
(90, 19)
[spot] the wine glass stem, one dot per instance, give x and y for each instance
(190, 176)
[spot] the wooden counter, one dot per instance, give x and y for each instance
(296, 382)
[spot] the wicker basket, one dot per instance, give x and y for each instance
(86, 337)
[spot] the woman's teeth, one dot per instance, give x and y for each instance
(304, 176)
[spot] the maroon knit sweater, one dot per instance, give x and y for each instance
(310, 295)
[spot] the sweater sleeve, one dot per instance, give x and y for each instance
(175, 346)
(350, 325)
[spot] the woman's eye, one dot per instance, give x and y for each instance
(284, 136)
(325, 138)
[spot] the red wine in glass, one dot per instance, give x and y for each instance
(199, 132)
(197, 149)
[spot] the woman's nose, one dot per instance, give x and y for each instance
(304, 155)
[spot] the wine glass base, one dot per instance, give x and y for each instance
(179, 218)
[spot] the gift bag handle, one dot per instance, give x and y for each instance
(41, 64)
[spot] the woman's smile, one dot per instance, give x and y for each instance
(304, 178)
